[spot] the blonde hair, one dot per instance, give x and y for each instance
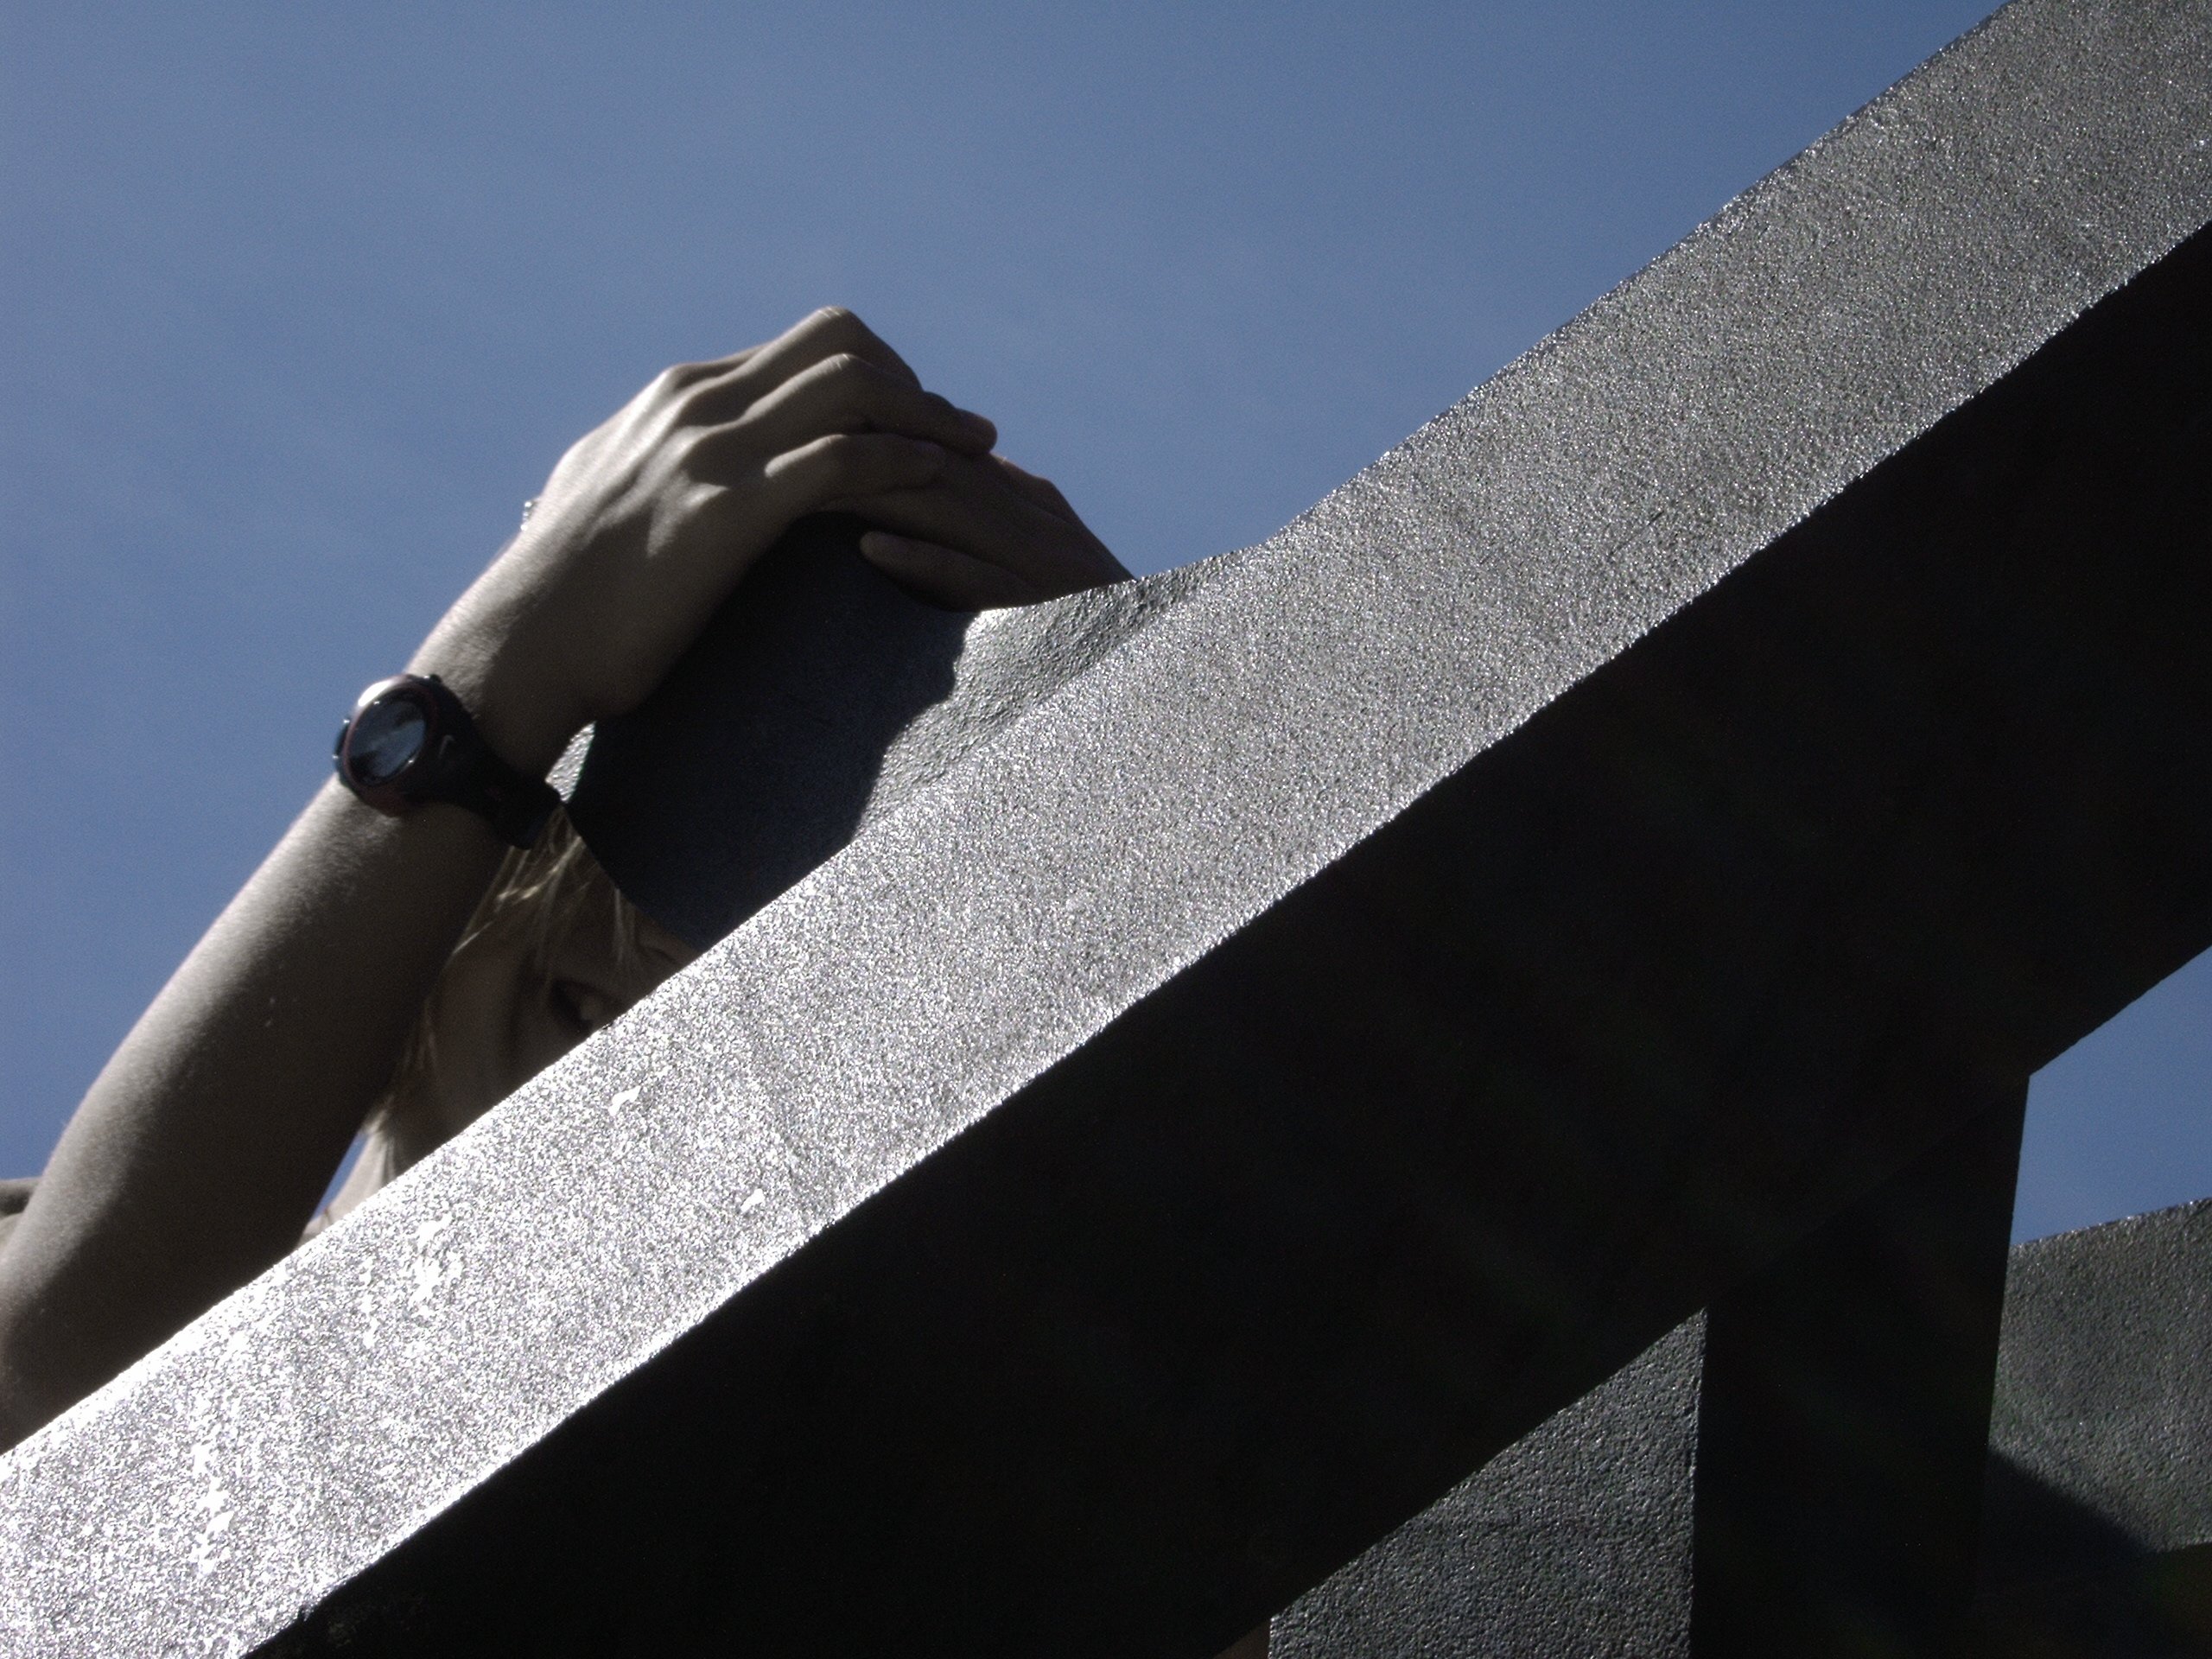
(540, 897)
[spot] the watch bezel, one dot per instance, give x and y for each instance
(454, 764)
(401, 791)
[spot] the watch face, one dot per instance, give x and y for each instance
(387, 736)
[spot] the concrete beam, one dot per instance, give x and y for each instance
(1575, 1541)
(2097, 1518)
(1291, 1054)
(2095, 1523)
(1843, 1417)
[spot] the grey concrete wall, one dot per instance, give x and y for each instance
(1575, 1542)
(2096, 1531)
(1256, 1075)
(2097, 1522)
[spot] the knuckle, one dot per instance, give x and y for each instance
(688, 451)
(700, 379)
(700, 396)
(690, 404)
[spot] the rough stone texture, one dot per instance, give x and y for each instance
(1181, 1135)
(2096, 1532)
(1798, 1470)
(2104, 1388)
(818, 701)
(1575, 1541)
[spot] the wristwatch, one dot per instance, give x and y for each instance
(410, 742)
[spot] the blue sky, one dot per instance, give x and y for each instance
(302, 301)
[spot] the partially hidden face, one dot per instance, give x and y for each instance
(505, 1010)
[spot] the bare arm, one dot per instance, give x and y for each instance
(197, 1156)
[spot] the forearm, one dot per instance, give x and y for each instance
(197, 1154)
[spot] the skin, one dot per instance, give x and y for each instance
(497, 1019)
(198, 1156)
(200, 1152)
(499, 1023)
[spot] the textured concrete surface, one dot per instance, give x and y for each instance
(818, 701)
(2096, 1530)
(2104, 1388)
(1843, 1422)
(1180, 1135)
(2097, 1535)
(1575, 1541)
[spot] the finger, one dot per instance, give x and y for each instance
(670, 393)
(826, 333)
(682, 376)
(842, 464)
(1038, 488)
(1050, 557)
(1041, 492)
(973, 508)
(849, 394)
(943, 576)
(831, 332)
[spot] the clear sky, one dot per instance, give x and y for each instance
(301, 303)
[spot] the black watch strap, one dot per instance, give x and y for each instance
(410, 740)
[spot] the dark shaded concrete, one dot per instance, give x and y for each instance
(1294, 1053)
(1356, 1199)
(1844, 1416)
(1798, 1471)
(2095, 1523)
(1574, 1541)
(2095, 1591)
(2097, 1532)
(835, 663)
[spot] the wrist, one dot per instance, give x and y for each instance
(524, 721)
(411, 742)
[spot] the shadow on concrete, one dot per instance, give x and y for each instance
(771, 729)
(2061, 1582)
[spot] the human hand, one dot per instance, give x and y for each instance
(649, 523)
(984, 532)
